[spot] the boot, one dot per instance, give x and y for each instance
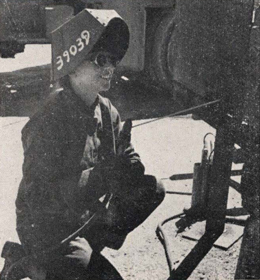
(12, 252)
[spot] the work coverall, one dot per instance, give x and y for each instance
(64, 144)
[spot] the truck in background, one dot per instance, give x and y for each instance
(193, 48)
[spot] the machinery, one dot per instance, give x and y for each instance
(230, 44)
(200, 51)
(175, 42)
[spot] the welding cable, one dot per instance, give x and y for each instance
(206, 135)
(160, 232)
(210, 146)
(164, 240)
(210, 155)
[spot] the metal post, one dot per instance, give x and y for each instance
(217, 203)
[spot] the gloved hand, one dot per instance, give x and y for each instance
(112, 176)
(124, 137)
(128, 168)
(96, 184)
(81, 251)
(127, 165)
(118, 170)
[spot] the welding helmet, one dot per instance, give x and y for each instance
(89, 31)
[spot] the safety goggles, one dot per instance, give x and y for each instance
(102, 59)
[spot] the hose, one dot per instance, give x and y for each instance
(164, 240)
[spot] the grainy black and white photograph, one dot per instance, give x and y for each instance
(129, 139)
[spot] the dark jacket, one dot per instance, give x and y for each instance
(61, 141)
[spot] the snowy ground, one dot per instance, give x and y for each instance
(167, 147)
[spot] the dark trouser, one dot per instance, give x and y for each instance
(99, 268)
(127, 210)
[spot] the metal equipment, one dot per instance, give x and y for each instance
(190, 48)
(237, 122)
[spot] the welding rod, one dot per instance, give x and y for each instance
(180, 112)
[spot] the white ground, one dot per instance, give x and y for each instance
(167, 147)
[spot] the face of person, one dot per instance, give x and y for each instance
(94, 74)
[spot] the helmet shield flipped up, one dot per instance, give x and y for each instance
(90, 30)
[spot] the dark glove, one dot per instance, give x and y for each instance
(127, 164)
(97, 184)
(112, 176)
(127, 168)
(124, 139)
(118, 170)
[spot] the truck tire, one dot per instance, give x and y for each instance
(151, 28)
(160, 50)
(160, 58)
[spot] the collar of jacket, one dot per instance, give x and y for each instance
(77, 106)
